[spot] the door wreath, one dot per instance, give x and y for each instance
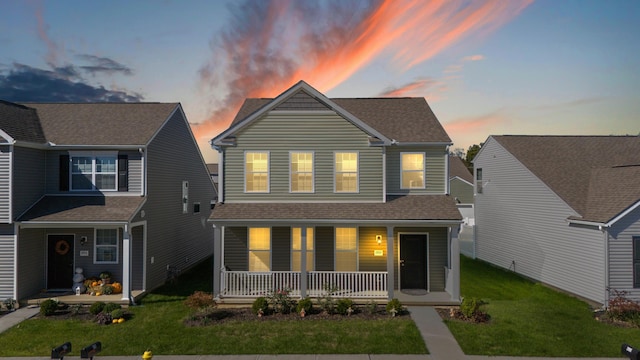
(62, 247)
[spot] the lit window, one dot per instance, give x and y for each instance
(346, 168)
(259, 249)
(256, 172)
(296, 249)
(412, 170)
(106, 246)
(93, 172)
(346, 252)
(301, 172)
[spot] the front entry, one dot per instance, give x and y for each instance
(60, 261)
(413, 261)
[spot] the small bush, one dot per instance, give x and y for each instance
(281, 301)
(394, 307)
(104, 318)
(96, 308)
(260, 306)
(117, 314)
(470, 307)
(326, 301)
(109, 307)
(48, 307)
(305, 304)
(200, 300)
(622, 308)
(345, 307)
(371, 307)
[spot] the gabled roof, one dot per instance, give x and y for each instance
(457, 168)
(20, 123)
(406, 120)
(60, 209)
(101, 123)
(598, 176)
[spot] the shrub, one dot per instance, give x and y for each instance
(281, 301)
(200, 300)
(117, 314)
(96, 308)
(371, 307)
(394, 307)
(469, 307)
(260, 306)
(48, 307)
(107, 289)
(622, 308)
(344, 307)
(305, 304)
(326, 301)
(109, 307)
(104, 318)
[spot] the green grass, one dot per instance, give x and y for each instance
(529, 319)
(157, 324)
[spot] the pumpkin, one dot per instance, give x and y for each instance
(95, 283)
(120, 321)
(117, 287)
(114, 321)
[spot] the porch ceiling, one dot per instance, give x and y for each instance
(83, 209)
(396, 208)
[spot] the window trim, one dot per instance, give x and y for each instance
(635, 259)
(313, 172)
(96, 246)
(268, 172)
(93, 155)
(335, 172)
(310, 229)
(424, 170)
(249, 250)
(336, 251)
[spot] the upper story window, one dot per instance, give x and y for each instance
(346, 172)
(256, 171)
(479, 181)
(94, 172)
(301, 171)
(106, 246)
(412, 170)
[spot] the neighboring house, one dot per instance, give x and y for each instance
(461, 188)
(350, 194)
(213, 171)
(563, 210)
(118, 187)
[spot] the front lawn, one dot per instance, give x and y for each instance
(529, 319)
(158, 324)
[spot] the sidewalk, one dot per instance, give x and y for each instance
(439, 340)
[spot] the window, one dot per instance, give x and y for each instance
(106, 246)
(90, 172)
(196, 207)
(346, 252)
(256, 170)
(479, 180)
(636, 261)
(296, 249)
(346, 168)
(301, 170)
(412, 175)
(259, 249)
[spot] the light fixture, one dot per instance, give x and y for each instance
(379, 239)
(83, 240)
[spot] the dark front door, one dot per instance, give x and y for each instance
(413, 261)
(60, 262)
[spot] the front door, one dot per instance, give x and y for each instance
(60, 261)
(413, 261)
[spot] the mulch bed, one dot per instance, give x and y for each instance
(453, 313)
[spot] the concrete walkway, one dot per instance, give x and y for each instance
(439, 340)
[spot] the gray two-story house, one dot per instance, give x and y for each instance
(346, 194)
(117, 187)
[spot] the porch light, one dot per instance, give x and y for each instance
(630, 352)
(60, 351)
(379, 239)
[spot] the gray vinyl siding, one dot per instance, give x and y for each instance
(52, 171)
(621, 253)
(522, 224)
(137, 258)
(176, 239)
(435, 170)
(367, 244)
(236, 250)
(461, 190)
(32, 262)
(7, 261)
(5, 184)
(318, 133)
(280, 248)
(28, 178)
(324, 247)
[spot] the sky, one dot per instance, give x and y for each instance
(539, 67)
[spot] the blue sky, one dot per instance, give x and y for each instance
(489, 67)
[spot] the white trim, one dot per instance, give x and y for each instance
(428, 274)
(447, 189)
(623, 214)
(384, 174)
(67, 224)
(95, 245)
(16, 233)
(93, 155)
(303, 247)
(10, 140)
(357, 191)
(461, 179)
(424, 170)
(313, 171)
(270, 265)
(352, 222)
(244, 171)
(11, 161)
(220, 194)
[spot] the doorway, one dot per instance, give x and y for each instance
(60, 261)
(413, 261)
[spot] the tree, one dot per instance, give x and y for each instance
(471, 154)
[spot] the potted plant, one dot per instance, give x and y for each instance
(106, 277)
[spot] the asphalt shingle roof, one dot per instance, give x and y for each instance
(598, 176)
(459, 169)
(83, 209)
(20, 122)
(410, 207)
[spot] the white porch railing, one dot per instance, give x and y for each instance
(362, 284)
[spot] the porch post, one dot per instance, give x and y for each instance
(217, 260)
(126, 264)
(303, 262)
(390, 272)
(455, 264)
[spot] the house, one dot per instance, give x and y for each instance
(117, 187)
(345, 194)
(563, 210)
(213, 171)
(461, 187)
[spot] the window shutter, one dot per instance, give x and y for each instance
(64, 173)
(123, 173)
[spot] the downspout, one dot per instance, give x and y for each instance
(220, 172)
(384, 174)
(143, 167)
(605, 232)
